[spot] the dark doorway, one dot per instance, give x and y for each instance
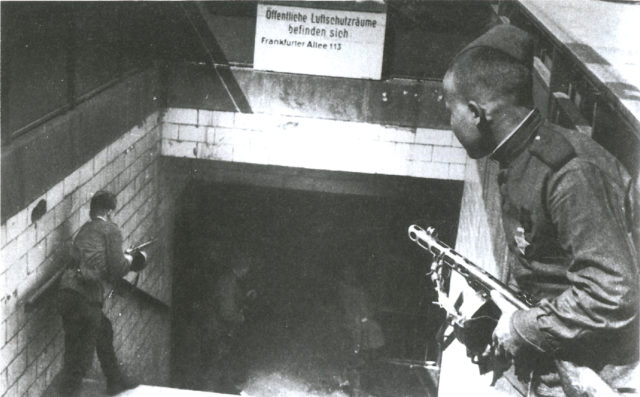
(340, 289)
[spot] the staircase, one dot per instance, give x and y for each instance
(96, 388)
(157, 391)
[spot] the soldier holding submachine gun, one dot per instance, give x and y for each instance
(475, 330)
(569, 213)
(97, 259)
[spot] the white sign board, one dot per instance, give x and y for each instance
(319, 41)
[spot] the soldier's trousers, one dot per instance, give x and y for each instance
(86, 329)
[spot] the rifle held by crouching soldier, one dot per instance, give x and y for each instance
(475, 331)
(138, 255)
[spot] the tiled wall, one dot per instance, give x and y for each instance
(35, 161)
(32, 341)
(312, 143)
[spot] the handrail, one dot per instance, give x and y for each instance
(561, 38)
(38, 295)
(122, 284)
(67, 107)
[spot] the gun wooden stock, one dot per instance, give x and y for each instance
(577, 381)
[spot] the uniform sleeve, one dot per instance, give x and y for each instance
(586, 209)
(117, 264)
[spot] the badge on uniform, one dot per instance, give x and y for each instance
(521, 241)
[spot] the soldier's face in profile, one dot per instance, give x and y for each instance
(464, 122)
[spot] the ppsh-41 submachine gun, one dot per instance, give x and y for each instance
(140, 247)
(475, 331)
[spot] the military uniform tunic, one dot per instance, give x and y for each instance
(98, 258)
(566, 217)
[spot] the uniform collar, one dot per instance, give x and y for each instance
(517, 139)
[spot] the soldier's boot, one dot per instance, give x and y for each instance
(117, 382)
(115, 387)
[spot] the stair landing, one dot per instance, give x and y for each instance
(96, 388)
(157, 391)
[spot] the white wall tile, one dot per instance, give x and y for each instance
(205, 117)
(223, 119)
(192, 133)
(318, 143)
(16, 224)
(457, 172)
(170, 131)
(181, 116)
(179, 149)
(445, 154)
(55, 195)
(433, 137)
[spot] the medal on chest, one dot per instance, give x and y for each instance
(521, 241)
(525, 224)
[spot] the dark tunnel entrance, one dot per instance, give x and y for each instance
(340, 292)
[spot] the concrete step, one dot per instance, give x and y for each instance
(96, 388)
(157, 391)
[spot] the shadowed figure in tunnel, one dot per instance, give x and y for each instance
(366, 334)
(366, 337)
(97, 260)
(226, 305)
(567, 209)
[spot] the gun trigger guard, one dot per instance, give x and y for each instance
(436, 264)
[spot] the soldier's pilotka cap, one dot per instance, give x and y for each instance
(506, 38)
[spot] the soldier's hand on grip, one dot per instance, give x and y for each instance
(505, 342)
(139, 261)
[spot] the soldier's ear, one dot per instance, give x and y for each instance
(479, 115)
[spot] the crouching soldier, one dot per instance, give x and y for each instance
(97, 258)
